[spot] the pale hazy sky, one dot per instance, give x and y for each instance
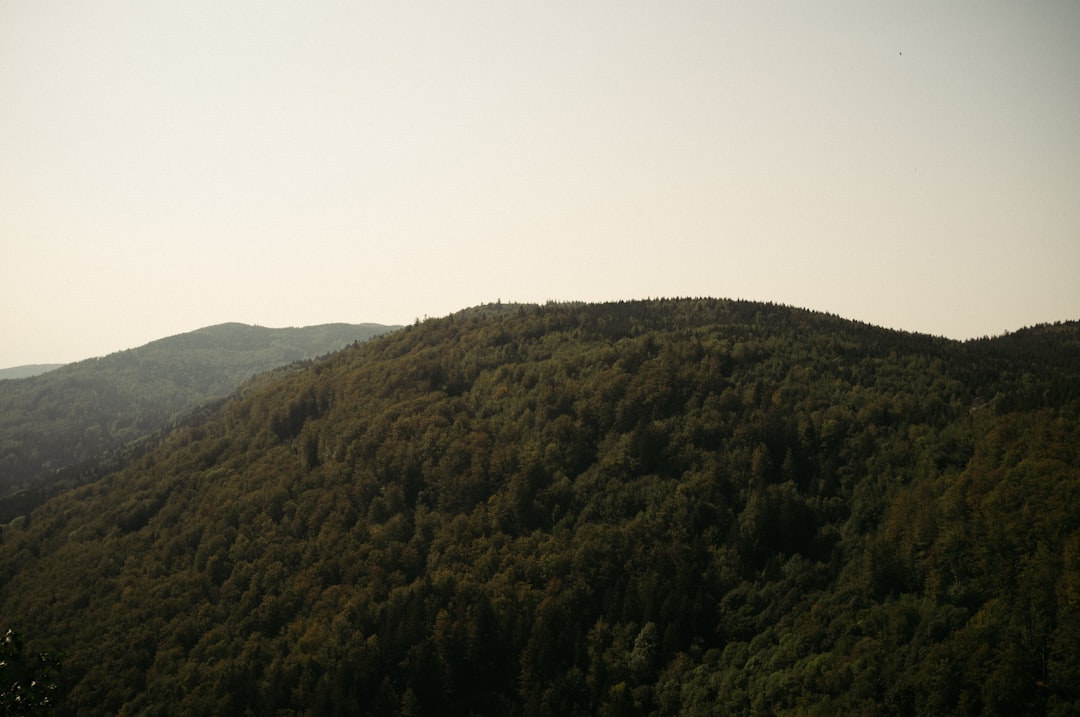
(169, 165)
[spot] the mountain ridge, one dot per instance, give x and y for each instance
(655, 507)
(27, 370)
(79, 410)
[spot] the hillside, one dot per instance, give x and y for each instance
(665, 507)
(52, 421)
(27, 371)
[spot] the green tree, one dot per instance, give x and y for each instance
(27, 687)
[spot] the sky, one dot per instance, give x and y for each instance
(166, 166)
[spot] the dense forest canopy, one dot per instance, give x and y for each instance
(51, 422)
(662, 507)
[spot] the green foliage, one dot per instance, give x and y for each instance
(26, 687)
(56, 426)
(664, 507)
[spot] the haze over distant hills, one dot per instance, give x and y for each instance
(54, 420)
(28, 370)
(670, 507)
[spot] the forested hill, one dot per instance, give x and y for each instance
(57, 419)
(28, 370)
(668, 507)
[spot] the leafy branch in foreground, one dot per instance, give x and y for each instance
(26, 687)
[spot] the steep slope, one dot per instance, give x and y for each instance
(667, 507)
(54, 420)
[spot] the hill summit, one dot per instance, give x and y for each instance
(661, 507)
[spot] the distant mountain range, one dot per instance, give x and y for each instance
(53, 421)
(27, 371)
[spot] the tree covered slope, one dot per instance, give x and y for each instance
(669, 507)
(27, 371)
(51, 421)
